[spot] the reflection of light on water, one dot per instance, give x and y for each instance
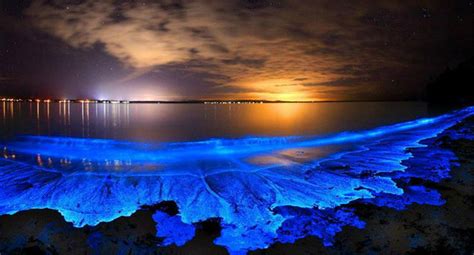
(12, 110)
(170, 122)
(82, 118)
(36, 116)
(60, 110)
(48, 120)
(47, 109)
(30, 104)
(114, 115)
(39, 161)
(69, 115)
(297, 155)
(105, 115)
(210, 154)
(287, 112)
(37, 111)
(85, 118)
(4, 113)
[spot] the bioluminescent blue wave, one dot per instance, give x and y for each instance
(264, 189)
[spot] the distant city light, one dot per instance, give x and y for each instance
(115, 101)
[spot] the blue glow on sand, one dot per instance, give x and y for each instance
(172, 229)
(264, 190)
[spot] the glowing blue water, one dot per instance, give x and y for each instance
(264, 190)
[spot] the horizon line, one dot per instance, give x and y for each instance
(193, 101)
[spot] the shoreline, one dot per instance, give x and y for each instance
(211, 101)
(418, 229)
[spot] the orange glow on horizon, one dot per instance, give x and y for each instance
(276, 90)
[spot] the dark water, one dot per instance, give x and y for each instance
(184, 122)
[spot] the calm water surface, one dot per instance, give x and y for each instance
(184, 122)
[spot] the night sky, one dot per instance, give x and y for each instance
(236, 49)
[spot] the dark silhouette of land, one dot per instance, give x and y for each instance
(453, 86)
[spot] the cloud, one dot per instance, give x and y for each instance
(6, 79)
(300, 79)
(254, 63)
(333, 83)
(258, 48)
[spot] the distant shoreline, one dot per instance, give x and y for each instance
(190, 101)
